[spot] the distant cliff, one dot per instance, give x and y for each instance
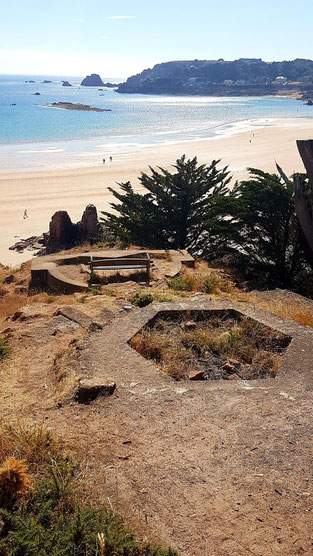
(93, 80)
(246, 76)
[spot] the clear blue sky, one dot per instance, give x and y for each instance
(119, 38)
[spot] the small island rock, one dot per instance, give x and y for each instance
(66, 84)
(93, 80)
(77, 106)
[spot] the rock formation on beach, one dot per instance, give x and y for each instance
(66, 84)
(63, 233)
(93, 80)
(46, 81)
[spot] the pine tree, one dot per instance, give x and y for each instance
(173, 212)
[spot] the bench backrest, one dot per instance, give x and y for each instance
(120, 262)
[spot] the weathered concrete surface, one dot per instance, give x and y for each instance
(46, 271)
(218, 467)
(80, 318)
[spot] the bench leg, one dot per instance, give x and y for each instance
(148, 274)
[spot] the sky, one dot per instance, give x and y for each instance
(120, 38)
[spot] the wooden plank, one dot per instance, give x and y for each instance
(118, 262)
(121, 267)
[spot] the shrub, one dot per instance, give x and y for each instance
(211, 284)
(54, 518)
(14, 478)
(181, 283)
(4, 348)
(141, 299)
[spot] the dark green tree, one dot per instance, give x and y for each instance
(258, 225)
(173, 212)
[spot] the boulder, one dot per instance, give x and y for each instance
(229, 368)
(196, 375)
(66, 84)
(89, 227)
(36, 94)
(9, 279)
(93, 80)
(90, 389)
(309, 103)
(62, 232)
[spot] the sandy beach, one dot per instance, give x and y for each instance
(42, 193)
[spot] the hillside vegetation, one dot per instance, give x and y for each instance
(243, 76)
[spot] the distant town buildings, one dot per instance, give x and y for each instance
(281, 80)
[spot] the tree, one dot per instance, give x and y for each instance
(262, 231)
(173, 212)
(303, 199)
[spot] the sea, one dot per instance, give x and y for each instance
(34, 136)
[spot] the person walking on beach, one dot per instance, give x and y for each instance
(111, 158)
(25, 215)
(103, 160)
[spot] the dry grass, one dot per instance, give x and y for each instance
(212, 345)
(151, 345)
(203, 279)
(296, 310)
(25, 442)
(16, 294)
(14, 478)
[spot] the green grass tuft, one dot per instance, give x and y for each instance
(4, 348)
(180, 283)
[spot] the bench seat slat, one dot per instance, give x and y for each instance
(142, 262)
(121, 267)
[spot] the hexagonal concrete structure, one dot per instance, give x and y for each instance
(203, 315)
(131, 371)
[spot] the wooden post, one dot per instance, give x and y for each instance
(91, 268)
(148, 268)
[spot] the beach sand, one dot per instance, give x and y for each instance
(43, 193)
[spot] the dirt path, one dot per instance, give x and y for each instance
(212, 468)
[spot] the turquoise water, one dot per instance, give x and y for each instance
(134, 120)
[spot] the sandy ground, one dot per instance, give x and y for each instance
(43, 193)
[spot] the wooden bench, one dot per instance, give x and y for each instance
(121, 263)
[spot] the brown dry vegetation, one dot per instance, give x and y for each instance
(203, 279)
(222, 347)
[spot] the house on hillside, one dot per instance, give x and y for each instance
(280, 80)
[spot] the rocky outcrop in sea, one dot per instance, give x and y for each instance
(93, 80)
